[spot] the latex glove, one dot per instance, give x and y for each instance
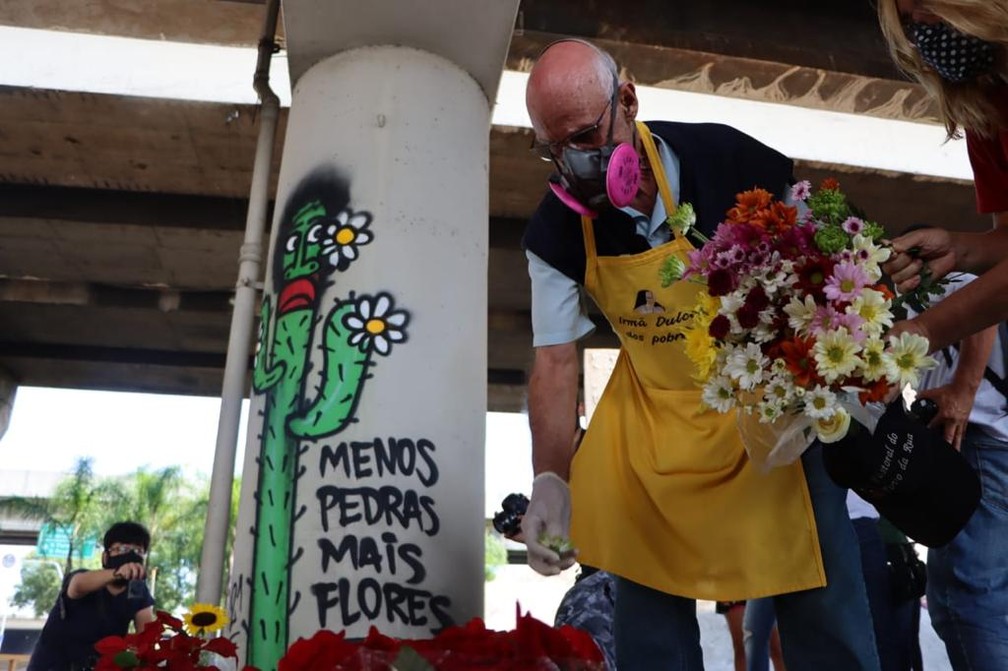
(548, 516)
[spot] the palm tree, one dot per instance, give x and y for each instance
(77, 507)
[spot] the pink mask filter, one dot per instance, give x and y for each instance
(623, 175)
(571, 202)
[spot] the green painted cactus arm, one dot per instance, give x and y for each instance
(263, 376)
(344, 370)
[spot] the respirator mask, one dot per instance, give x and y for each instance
(590, 180)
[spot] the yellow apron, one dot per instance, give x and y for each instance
(662, 490)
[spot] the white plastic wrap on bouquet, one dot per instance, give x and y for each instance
(783, 441)
(220, 662)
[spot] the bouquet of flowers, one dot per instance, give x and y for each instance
(791, 330)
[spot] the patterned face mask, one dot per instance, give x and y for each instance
(956, 57)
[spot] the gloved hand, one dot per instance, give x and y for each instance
(548, 519)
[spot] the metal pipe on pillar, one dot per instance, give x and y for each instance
(362, 496)
(211, 573)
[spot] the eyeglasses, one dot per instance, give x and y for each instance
(123, 548)
(548, 151)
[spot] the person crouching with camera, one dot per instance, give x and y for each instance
(94, 604)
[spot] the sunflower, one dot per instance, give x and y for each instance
(204, 618)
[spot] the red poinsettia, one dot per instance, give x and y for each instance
(470, 647)
(163, 645)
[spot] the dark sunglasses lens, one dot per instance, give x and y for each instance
(542, 150)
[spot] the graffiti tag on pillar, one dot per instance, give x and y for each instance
(319, 235)
(388, 572)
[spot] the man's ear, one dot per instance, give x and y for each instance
(628, 100)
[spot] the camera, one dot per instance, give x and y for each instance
(135, 589)
(924, 410)
(508, 521)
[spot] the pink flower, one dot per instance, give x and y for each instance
(853, 322)
(826, 319)
(852, 225)
(846, 282)
(801, 191)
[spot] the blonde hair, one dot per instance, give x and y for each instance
(967, 104)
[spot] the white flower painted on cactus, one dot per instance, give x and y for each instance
(374, 325)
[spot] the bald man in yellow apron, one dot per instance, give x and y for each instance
(661, 492)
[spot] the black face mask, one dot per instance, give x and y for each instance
(955, 56)
(115, 561)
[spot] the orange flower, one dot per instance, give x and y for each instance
(777, 218)
(874, 392)
(830, 184)
(800, 361)
(748, 205)
(886, 292)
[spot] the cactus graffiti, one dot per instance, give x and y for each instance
(319, 236)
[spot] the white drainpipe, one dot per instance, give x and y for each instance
(208, 587)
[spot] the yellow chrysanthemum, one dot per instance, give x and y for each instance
(698, 345)
(700, 349)
(708, 305)
(204, 618)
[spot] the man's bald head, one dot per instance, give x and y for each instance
(569, 78)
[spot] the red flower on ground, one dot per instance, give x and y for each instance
(318, 653)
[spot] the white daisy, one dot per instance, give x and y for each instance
(769, 412)
(836, 354)
(746, 365)
(719, 394)
(801, 313)
(873, 361)
(820, 402)
(905, 357)
(874, 308)
(870, 255)
(779, 389)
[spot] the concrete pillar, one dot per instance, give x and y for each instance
(8, 390)
(362, 494)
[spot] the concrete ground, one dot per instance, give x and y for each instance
(540, 596)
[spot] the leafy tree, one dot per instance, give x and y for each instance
(76, 507)
(170, 505)
(40, 584)
(173, 510)
(495, 554)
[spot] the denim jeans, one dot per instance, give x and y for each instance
(823, 629)
(967, 588)
(756, 628)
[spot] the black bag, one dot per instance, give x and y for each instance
(907, 573)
